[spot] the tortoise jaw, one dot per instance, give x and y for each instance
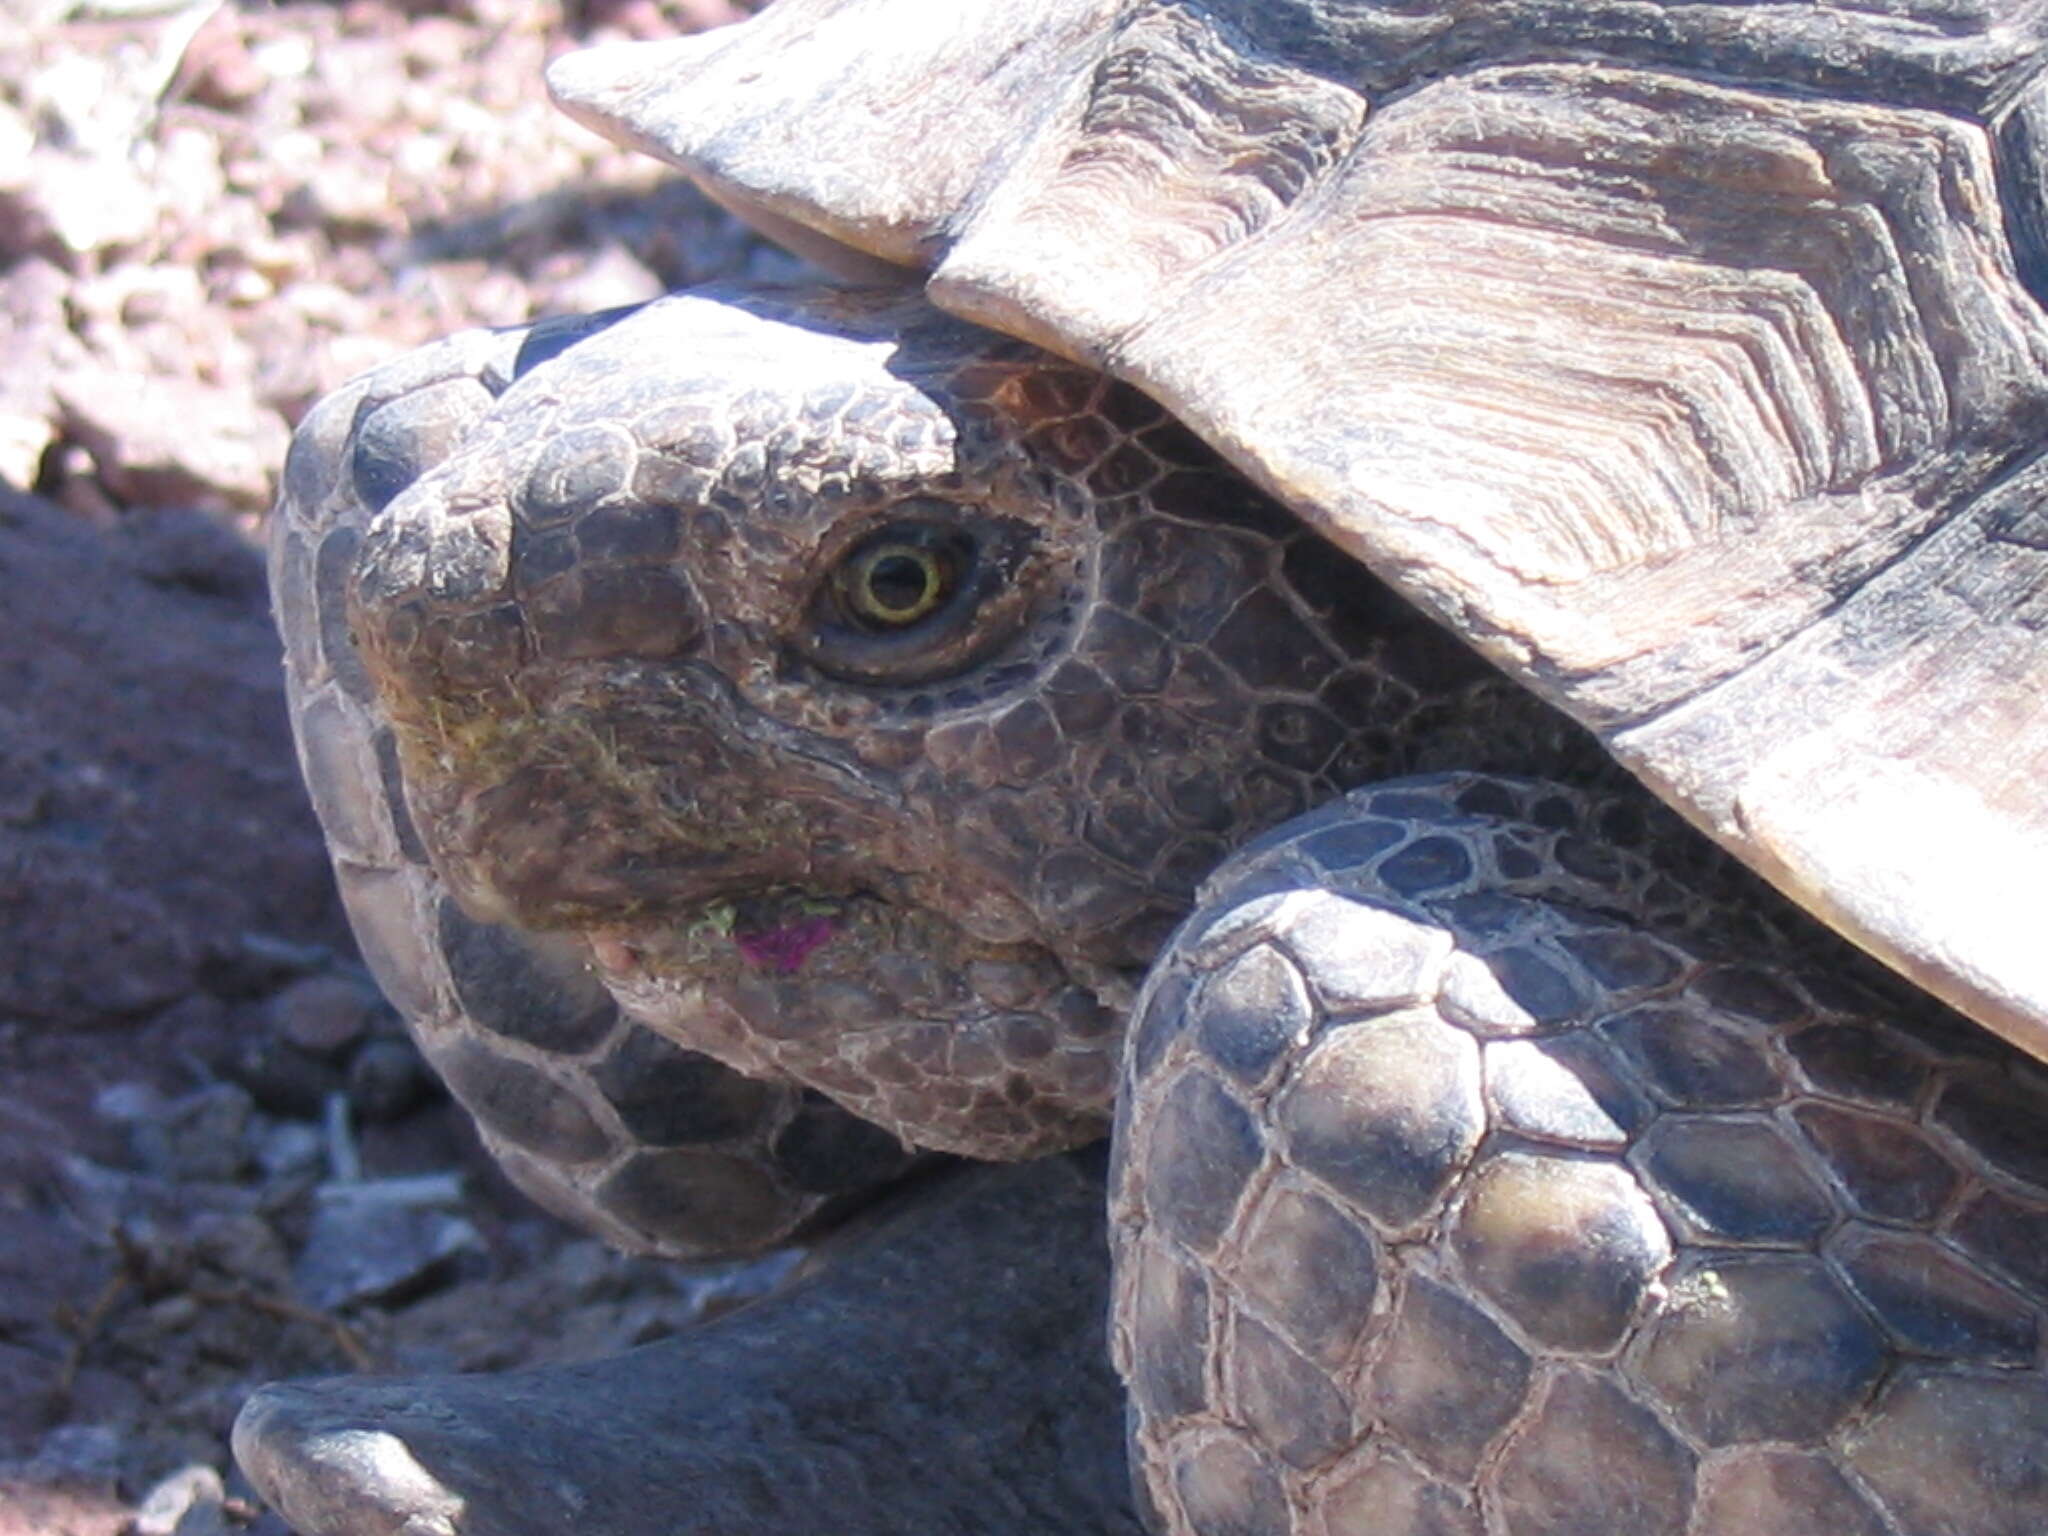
(894, 1010)
(775, 932)
(607, 796)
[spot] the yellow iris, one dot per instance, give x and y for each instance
(895, 584)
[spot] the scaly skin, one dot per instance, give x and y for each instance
(1492, 1157)
(1474, 1176)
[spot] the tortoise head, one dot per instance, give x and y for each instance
(873, 692)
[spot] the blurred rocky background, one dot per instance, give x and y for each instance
(220, 1160)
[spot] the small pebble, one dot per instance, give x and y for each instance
(282, 1078)
(383, 1241)
(325, 1016)
(187, 1503)
(127, 1103)
(290, 1149)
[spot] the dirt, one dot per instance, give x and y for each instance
(220, 1160)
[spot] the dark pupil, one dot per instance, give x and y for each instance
(897, 583)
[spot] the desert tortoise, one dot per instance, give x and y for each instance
(817, 684)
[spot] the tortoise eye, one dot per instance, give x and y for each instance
(924, 596)
(897, 578)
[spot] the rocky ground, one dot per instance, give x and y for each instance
(220, 1160)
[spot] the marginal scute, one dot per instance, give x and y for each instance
(783, 142)
(1790, 764)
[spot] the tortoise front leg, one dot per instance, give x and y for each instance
(1473, 1177)
(946, 1376)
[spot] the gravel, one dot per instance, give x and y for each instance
(220, 1160)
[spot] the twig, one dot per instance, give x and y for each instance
(133, 1271)
(84, 1328)
(344, 1337)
